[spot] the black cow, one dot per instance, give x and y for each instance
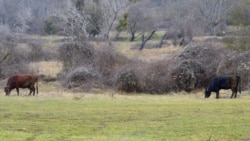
(224, 82)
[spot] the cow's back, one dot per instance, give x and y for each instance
(12, 81)
(22, 81)
(221, 82)
(225, 82)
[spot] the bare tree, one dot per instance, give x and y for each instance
(177, 20)
(112, 9)
(94, 18)
(74, 20)
(134, 20)
(29, 15)
(143, 21)
(212, 13)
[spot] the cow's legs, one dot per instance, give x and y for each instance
(234, 93)
(217, 95)
(34, 90)
(17, 90)
(30, 91)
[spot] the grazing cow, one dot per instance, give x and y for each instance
(224, 82)
(22, 81)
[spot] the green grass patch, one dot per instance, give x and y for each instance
(125, 36)
(133, 118)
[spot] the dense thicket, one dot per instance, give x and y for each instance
(190, 70)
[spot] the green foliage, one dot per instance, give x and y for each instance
(130, 118)
(50, 28)
(123, 23)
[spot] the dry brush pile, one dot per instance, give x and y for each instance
(190, 70)
(87, 67)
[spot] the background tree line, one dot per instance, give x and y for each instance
(96, 17)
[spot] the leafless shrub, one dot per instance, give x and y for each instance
(36, 52)
(13, 60)
(129, 78)
(128, 81)
(197, 64)
(156, 78)
(192, 69)
(188, 75)
(107, 61)
(178, 35)
(39, 52)
(75, 54)
(89, 68)
(82, 77)
(153, 78)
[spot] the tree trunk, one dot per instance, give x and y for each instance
(162, 39)
(132, 38)
(144, 41)
(117, 36)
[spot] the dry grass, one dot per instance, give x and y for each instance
(147, 54)
(49, 68)
(156, 54)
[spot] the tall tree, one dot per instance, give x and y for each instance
(212, 13)
(134, 20)
(74, 21)
(112, 10)
(176, 18)
(143, 18)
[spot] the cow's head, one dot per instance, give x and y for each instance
(7, 90)
(207, 94)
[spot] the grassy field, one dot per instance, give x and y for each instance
(100, 117)
(57, 114)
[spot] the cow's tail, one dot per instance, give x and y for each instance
(239, 83)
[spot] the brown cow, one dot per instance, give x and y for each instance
(22, 81)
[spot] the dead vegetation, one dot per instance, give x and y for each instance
(149, 71)
(87, 67)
